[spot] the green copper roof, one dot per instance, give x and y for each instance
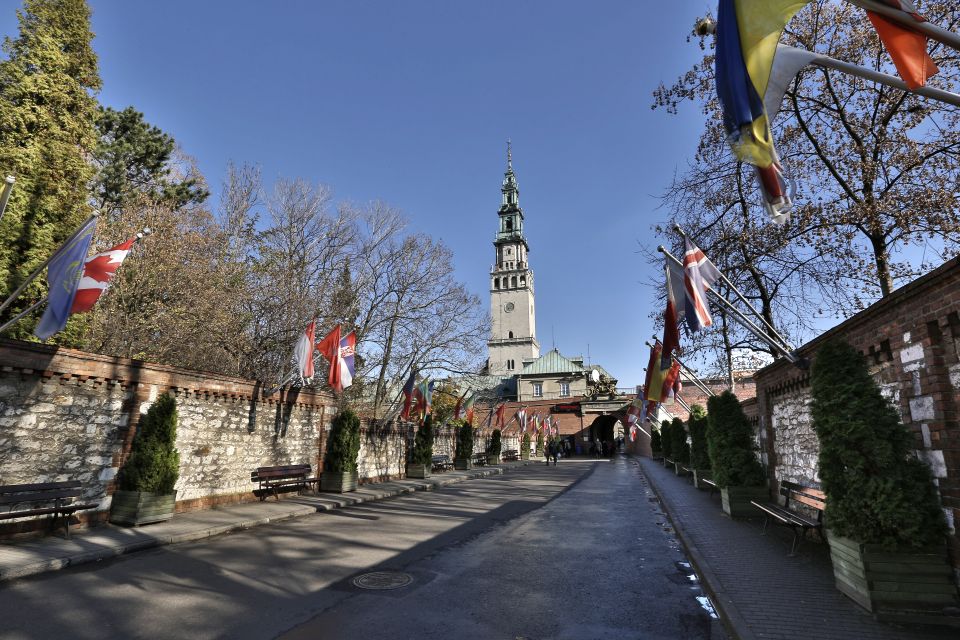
(551, 362)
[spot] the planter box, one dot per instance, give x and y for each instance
(525, 454)
(736, 500)
(420, 471)
(909, 586)
(679, 470)
(338, 482)
(134, 508)
(698, 476)
(493, 459)
(462, 464)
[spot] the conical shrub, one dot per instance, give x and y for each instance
(666, 439)
(730, 444)
(697, 425)
(877, 491)
(154, 464)
(423, 443)
(678, 446)
(344, 444)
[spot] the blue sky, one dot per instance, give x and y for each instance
(411, 103)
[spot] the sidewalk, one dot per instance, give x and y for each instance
(30, 557)
(759, 591)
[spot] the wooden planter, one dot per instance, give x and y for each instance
(493, 459)
(736, 500)
(134, 508)
(679, 470)
(420, 471)
(524, 453)
(698, 476)
(909, 586)
(462, 464)
(338, 482)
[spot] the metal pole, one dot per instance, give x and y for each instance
(736, 313)
(43, 265)
(772, 331)
(20, 315)
(690, 374)
(5, 196)
(930, 30)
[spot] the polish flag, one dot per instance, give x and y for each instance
(98, 270)
(303, 352)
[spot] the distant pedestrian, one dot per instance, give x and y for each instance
(546, 452)
(555, 451)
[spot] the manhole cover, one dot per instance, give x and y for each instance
(383, 580)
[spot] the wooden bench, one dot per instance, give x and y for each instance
(480, 459)
(800, 523)
(44, 498)
(271, 479)
(510, 455)
(441, 463)
(710, 483)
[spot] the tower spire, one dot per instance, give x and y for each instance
(509, 157)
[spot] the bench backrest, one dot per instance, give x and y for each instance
(440, 458)
(807, 496)
(280, 472)
(39, 492)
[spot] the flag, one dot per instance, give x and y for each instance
(348, 349)
(698, 276)
(458, 410)
(907, 48)
(303, 352)
(408, 394)
(747, 36)
(423, 398)
(671, 325)
(671, 384)
(98, 271)
(468, 408)
(64, 273)
(521, 417)
(500, 410)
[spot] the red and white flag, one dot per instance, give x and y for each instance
(339, 351)
(303, 352)
(98, 271)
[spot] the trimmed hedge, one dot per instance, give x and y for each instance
(656, 441)
(730, 444)
(423, 443)
(666, 440)
(495, 443)
(344, 445)
(154, 464)
(877, 491)
(464, 439)
(679, 446)
(697, 424)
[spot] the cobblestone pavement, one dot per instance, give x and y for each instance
(761, 592)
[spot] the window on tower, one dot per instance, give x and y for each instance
(510, 334)
(496, 283)
(509, 224)
(513, 281)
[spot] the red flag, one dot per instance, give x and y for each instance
(408, 389)
(98, 271)
(907, 48)
(500, 410)
(671, 327)
(330, 348)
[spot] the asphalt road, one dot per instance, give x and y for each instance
(580, 550)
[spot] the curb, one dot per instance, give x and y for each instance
(729, 614)
(330, 502)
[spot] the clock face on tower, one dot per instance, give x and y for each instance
(508, 307)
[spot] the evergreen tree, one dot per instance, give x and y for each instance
(495, 443)
(423, 443)
(154, 463)
(877, 492)
(344, 444)
(679, 447)
(464, 448)
(656, 441)
(666, 440)
(730, 444)
(697, 424)
(134, 160)
(47, 135)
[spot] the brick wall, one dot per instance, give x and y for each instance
(912, 342)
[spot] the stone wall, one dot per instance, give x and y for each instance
(911, 340)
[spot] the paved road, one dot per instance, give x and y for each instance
(574, 551)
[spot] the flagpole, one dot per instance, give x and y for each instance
(773, 331)
(930, 30)
(7, 189)
(20, 315)
(43, 265)
(738, 315)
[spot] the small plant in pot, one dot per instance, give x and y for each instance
(464, 452)
(421, 459)
(525, 447)
(666, 443)
(736, 469)
(145, 483)
(699, 458)
(886, 529)
(343, 447)
(679, 446)
(495, 448)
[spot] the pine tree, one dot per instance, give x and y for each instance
(495, 443)
(464, 448)
(877, 492)
(154, 463)
(344, 443)
(423, 443)
(730, 444)
(697, 424)
(47, 135)
(666, 439)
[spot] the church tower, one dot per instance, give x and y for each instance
(514, 335)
